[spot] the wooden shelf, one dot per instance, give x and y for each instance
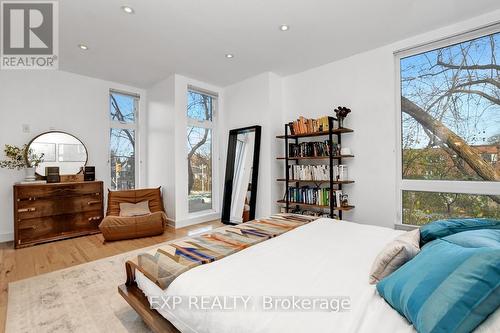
(305, 135)
(315, 181)
(315, 157)
(314, 206)
(328, 136)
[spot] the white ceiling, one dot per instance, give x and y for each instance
(191, 37)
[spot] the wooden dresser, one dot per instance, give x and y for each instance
(47, 212)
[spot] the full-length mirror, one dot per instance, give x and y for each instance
(61, 150)
(242, 168)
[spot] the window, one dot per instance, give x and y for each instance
(450, 131)
(200, 115)
(123, 111)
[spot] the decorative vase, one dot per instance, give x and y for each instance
(29, 174)
(341, 122)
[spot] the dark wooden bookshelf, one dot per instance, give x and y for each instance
(316, 206)
(306, 135)
(333, 132)
(315, 181)
(337, 157)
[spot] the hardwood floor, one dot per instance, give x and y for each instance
(31, 261)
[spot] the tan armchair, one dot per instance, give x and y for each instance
(116, 227)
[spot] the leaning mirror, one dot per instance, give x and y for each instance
(61, 150)
(242, 167)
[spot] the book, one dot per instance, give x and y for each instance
(309, 172)
(311, 149)
(310, 195)
(338, 195)
(305, 126)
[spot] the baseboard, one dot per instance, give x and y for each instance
(170, 222)
(6, 237)
(196, 220)
(405, 227)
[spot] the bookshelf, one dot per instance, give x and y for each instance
(335, 157)
(331, 158)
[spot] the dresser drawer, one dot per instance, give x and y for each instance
(35, 229)
(61, 226)
(88, 221)
(65, 205)
(36, 192)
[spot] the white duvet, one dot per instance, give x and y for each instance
(323, 258)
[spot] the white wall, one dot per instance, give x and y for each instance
(47, 100)
(160, 141)
(167, 158)
(257, 101)
(366, 83)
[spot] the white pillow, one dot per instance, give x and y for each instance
(394, 255)
(138, 209)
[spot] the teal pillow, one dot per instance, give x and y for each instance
(443, 228)
(476, 238)
(447, 287)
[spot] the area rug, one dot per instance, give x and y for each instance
(81, 298)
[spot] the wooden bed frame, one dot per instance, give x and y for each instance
(139, 302)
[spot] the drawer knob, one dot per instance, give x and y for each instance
(95, 202)
(26, 210)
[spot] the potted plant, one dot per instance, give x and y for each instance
(22, 158)
(341, 113)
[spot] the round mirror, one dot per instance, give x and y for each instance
(61, 150)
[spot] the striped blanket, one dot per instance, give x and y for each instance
(167, 262)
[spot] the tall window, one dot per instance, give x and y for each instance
(450, 131)
(200, 115)
(123, 110)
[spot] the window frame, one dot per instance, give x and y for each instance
(133, 126)
(212, 125)
(449, 186)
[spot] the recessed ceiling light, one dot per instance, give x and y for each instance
(83, 47)
(128, 9)
(229, 55)
(284, 27)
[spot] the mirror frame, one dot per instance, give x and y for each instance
(54, 131)
(228, 179)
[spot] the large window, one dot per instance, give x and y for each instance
(123, 111)
(450, 131)
(200, 115)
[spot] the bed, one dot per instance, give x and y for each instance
(324, 258)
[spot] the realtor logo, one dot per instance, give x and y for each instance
(29, 38)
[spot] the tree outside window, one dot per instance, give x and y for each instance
(200, 111)
(450, 104)
(123, 114)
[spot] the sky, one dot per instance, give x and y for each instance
(422, 81)
(119, 143)
(196, 111)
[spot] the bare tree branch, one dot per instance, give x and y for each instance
(455, 142)
(121, 118)
(206, 107)
(468, 67)
(477, 92)
(480, 81)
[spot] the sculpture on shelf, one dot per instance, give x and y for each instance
(341, 113)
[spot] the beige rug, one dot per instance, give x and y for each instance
(82, 298)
